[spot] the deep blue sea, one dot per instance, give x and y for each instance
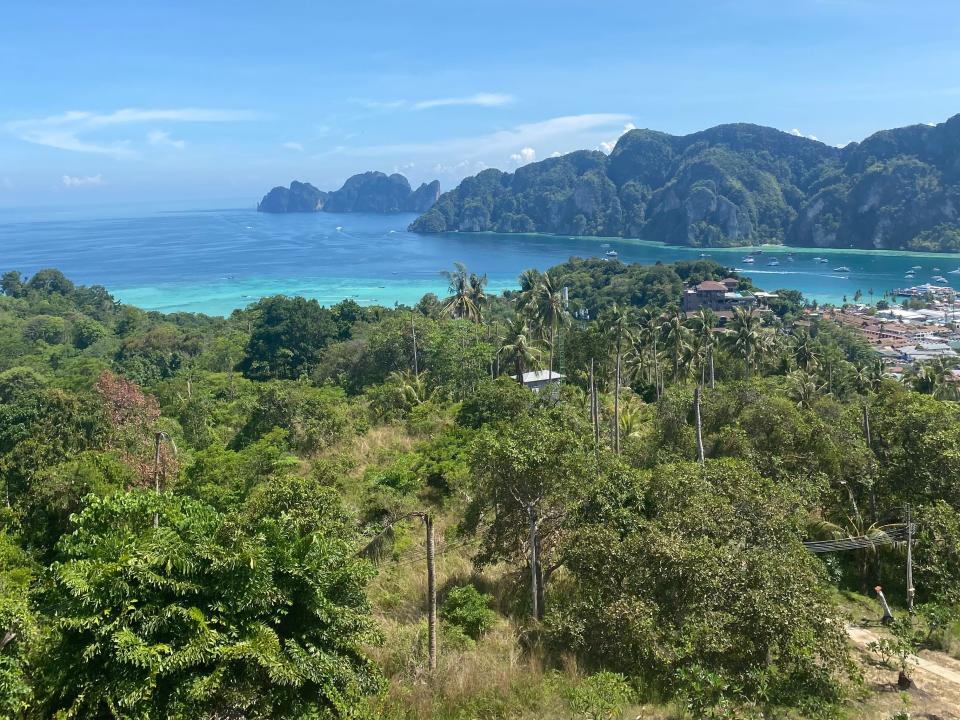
(214, 261)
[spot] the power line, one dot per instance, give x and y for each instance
(858, 542)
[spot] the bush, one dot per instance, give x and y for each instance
(48, 328)
(602, 696)
(469, 609)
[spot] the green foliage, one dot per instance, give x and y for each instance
(18, 627)
(468, 609)
(202, 615)
(287, 338)
(734, 184)
(601, 696)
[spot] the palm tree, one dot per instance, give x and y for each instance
(676, 336)
(746, 336)
(934, 378)
(704, 328)
(616, 322)
(529, 282)
(413, 388)
(467, 295)
(649, 336)
(547, 307)
(868, 376)
(519, 347)
(805, 351)
(803, 388)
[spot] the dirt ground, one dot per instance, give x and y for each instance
(936, 676)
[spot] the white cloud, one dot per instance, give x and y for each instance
(72, 181)
(479, 99)
(797, 133)
(556, 153)
(607, 146)
(71, 130)
(163, 139)
(293, 146)
(525, 156)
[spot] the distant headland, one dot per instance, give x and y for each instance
(730, 185)
(369, 192)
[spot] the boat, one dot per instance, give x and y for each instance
(773, 262)
(824, 260)
(605, 245)
(917, 267)
(842, 268)
(954, 272)
(611, 253)
(749, 259)
(939, 279)
(936, 269)
(704, 255)
(791, 258)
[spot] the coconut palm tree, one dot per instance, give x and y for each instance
(805, 351)
(803, 388)
(529, 282)
(746, 336)
(519, 347)
(547, 308)
(704, 330)
(934, 377)
(466, 298)
(617, 323)
(676, 337)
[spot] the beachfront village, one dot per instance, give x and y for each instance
(907, 327)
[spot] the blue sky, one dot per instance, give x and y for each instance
(193, 103)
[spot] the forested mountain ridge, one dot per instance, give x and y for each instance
(373, 192)
(737, 184)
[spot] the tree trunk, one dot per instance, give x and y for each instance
(553, 334)
(712, 379)
(413, 332)
(616, 407)
(535, 575)
(696, 416)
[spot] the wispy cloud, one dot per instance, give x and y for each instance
(479, 99)
(73, 130)
(162, 138)
(501, 143)
(74, 181)
(293, 146)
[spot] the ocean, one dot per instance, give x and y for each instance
(214, 261)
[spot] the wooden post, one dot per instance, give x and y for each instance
(696, 417)
(431, 593)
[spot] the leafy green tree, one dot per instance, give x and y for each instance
(203, 616)
(746, 337)
(518, 348)
(528, 475)
(467, 295)
(710, 573)
(18, 627)
(287, 338)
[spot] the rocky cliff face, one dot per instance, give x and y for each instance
(299, 197)
(370, 192)
(729, 185)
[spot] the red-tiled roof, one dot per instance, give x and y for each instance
(712, 285)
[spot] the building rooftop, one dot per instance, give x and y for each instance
(539, 376)
(711, 286)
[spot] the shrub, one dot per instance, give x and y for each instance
(602, 696)
(469, 609)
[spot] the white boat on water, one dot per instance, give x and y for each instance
(954, 272)
(939, 279)
(917, 267)
(611, 253)
(773, 262)
(842, 268)
(749, 259)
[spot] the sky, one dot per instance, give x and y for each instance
(197, 104)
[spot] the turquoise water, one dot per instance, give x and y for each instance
(214, 261)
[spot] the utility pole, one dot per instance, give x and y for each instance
(910, 589)
(431, 593)
(696, 416)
